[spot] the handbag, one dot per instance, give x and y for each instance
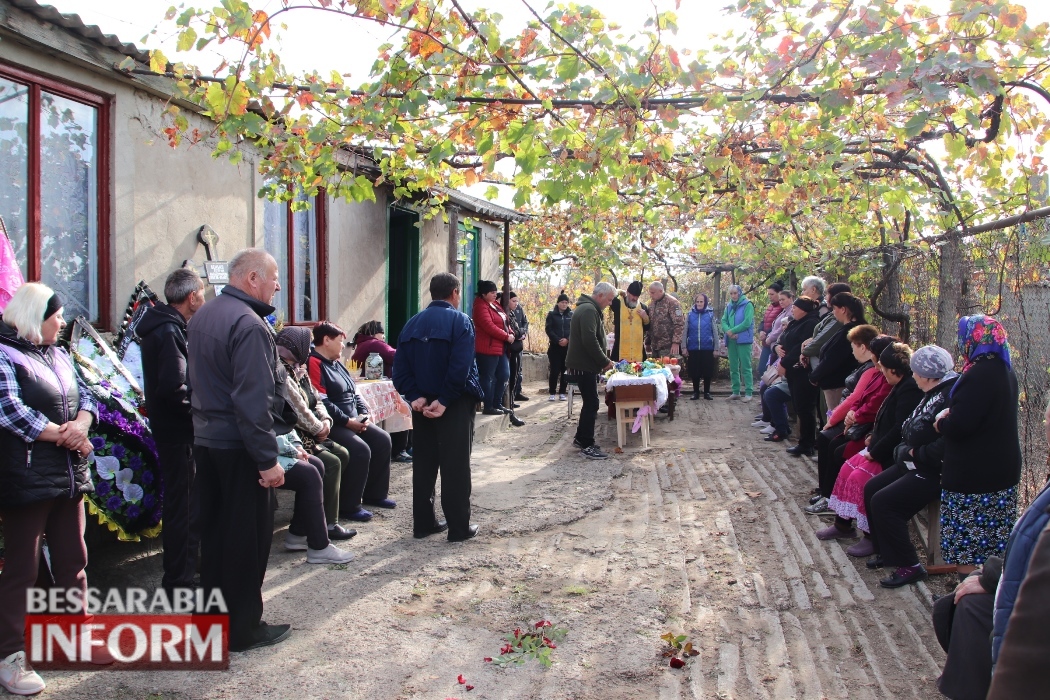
(832, 432)
(770, 376)
(857, 431)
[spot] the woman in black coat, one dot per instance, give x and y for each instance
(914, 479)
(557, 326)
(982, 453)
(847, 497)
(836, 356)
(803, 393)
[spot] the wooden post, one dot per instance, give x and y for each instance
(453, 239)
(506, 257)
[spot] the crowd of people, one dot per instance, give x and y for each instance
(238, 410)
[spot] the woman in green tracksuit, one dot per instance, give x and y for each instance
(738, 325)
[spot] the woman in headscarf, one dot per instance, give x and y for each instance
(789, 349)
(557, 324)
(701, 339)
(313, 422)
(982, 453)
(914, 478)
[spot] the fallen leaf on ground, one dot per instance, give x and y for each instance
(753, 494)
(618, 450)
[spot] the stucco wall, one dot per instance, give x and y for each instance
(357, 268)
(159, 196)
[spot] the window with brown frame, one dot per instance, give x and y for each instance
(54, 165)
(296, 239)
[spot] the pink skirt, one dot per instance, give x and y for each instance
(847, 498)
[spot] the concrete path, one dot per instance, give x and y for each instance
(702, 534)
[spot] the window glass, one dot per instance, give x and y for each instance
(304, 225)
(275, 240)
(468, 268)
(14, 165)
(69, 202)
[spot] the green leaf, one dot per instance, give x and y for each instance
(917, 122)
(955, 144)
(186, 39)
(158, 62)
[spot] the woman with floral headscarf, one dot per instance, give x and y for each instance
(982, 454)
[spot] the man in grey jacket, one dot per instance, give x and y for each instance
(234, 372)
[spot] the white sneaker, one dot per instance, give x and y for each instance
(745, 399)
(760, 424)
(552, 397)
(733, 397)
(18, 677)
(329, 555)
(769, 431)
(561, 397)
(295, 543)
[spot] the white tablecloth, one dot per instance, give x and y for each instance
(658, 380)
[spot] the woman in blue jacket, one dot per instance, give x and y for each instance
(701, 339)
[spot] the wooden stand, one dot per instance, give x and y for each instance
(627, 401)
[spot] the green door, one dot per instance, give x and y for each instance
(402, 269)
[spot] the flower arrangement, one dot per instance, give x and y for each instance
(637, 369)
(128, 489)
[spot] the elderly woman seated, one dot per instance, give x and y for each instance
(914, 479)
(847, 497)
(313, 423)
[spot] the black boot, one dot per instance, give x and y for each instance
(696, 396)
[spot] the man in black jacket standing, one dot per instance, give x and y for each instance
(234, 372)
(163, 333)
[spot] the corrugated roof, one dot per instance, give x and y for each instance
(74, 24)
(482, 206)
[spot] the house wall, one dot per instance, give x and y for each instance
(159, 196)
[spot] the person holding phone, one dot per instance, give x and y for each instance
(368, 444)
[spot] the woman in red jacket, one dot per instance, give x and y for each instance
(491, 335)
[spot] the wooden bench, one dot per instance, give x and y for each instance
(928, 524)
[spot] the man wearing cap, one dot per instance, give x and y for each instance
(630, 319)
(666, 322)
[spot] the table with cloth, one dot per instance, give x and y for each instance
(664, 385)
(385, 404)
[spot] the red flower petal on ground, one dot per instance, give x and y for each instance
(470, 688)
(517, 631)
(461, 679)
(677, 663)
(542, 623)
(488, 658)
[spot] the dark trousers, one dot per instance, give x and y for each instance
(62, 521)
(236, 532)
(336, 461)
(829, 461)
(556, 356)
(775, 400)
(368, 475)
(443, 446)
(891, 499)
(701, 366)
(514, 363)
(307, 480)
(964, 631)
(181, 533)
(587, 383)
(400, 441)
(516, 374)
(804, 395)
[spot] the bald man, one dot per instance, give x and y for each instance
(234, 372)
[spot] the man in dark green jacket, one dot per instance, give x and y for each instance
(587, 357)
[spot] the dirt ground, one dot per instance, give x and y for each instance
(702, 534)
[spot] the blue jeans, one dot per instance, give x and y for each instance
(494, 371)
(775, 400)
(763, 359)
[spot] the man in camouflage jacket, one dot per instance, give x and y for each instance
(666, 323)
